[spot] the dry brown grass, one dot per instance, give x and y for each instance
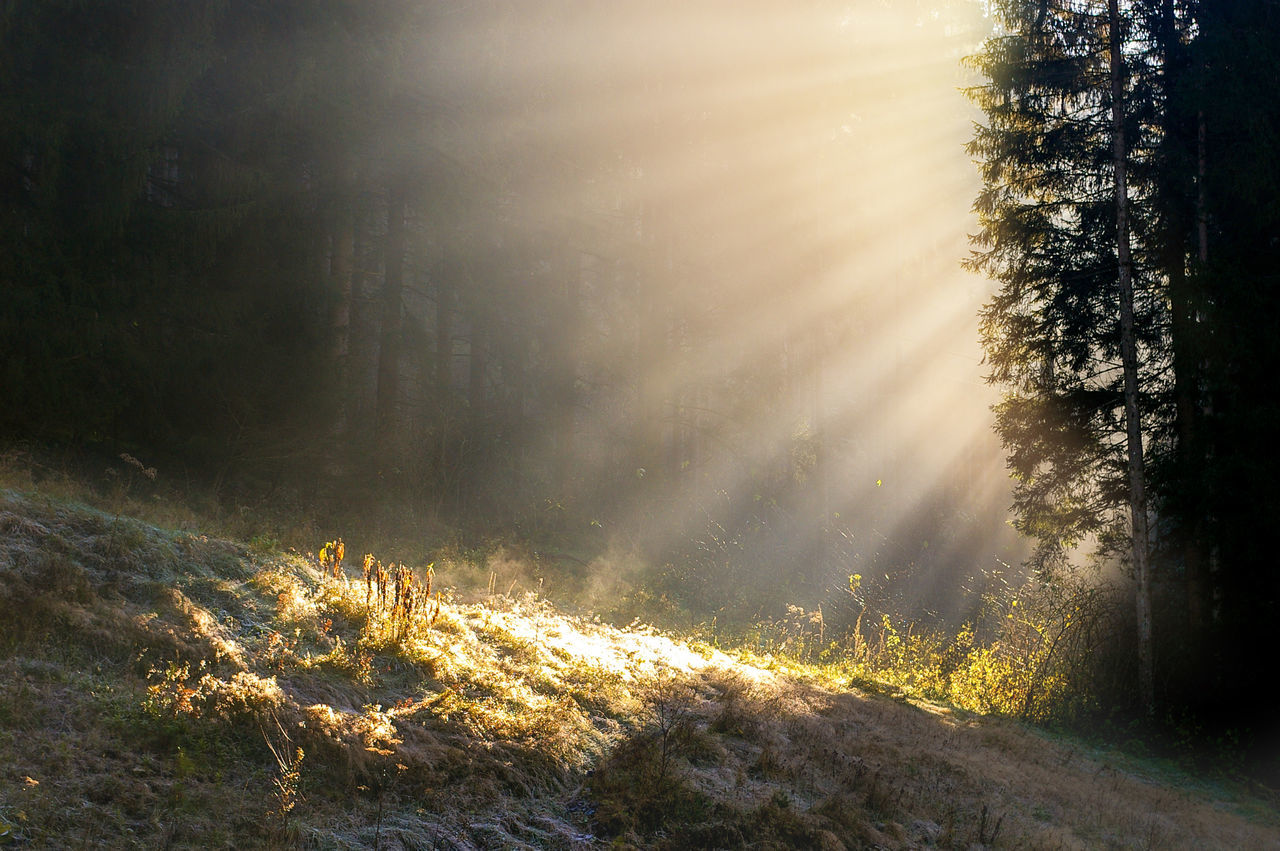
(163, 689)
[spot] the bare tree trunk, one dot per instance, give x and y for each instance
(340, 272)
(1187, 366)
(446, 289)
(1201, 582)
(651, 347)
(476, 370)
(1187, 373)
(1202, 194)
(1129, 357)
(513, 380)
(361, 343)
(819, 408)
(392, 319)
(568, 271)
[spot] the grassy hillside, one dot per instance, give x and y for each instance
(160, 687)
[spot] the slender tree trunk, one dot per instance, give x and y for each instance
(362, 344)
(1202, 582)
(392, 318)
(1184, 321)
(568, 268)
(1186, 367)
(1202, 194)
(513, 379)
(1129, 357)
(447, 284)
(476, 370)
(445, 297)
(340, 272)
(820, 433)
(698, 452)
(651, 347)
(678, 400)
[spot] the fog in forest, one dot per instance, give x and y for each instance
(671, 285)
(742, 226)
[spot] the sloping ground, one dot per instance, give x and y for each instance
(159, 688)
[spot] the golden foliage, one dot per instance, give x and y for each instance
(1033, 663)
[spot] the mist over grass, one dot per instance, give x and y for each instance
(167, 686)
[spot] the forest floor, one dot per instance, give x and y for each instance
(165, 688)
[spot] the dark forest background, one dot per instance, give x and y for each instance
(542, 269)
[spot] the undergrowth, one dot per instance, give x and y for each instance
(1031, 653)
(163, 687)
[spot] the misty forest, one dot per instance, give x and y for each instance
(822, 424)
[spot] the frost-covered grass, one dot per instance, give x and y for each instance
(164, 688)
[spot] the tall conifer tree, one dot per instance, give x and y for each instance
(1077, 331)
